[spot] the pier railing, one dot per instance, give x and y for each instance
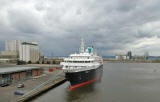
(39, 87)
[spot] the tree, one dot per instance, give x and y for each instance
(37, 62)
(19, 62)
(29, 62)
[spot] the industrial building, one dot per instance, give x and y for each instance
(127, 56)
(16, 74)
(19, 50)
(29, 52)
(11, 56)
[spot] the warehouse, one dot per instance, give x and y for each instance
(16, 74)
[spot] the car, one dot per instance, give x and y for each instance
(18, 92)
(4, 84)
(20, 85)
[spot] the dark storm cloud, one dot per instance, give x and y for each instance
(112, 26)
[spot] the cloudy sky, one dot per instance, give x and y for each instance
(112, 26)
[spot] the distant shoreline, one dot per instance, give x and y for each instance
(131, 61)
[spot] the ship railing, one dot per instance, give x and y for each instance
(71, 69)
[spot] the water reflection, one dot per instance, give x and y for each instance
(80, 92)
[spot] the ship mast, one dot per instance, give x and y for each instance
(82, 46)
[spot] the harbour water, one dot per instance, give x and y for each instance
(121, 82)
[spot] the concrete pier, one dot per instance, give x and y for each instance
(50, 83)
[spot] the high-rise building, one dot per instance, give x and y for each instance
(29, 52)
(11, 50)
(12, 45)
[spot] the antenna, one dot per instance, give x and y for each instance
(82, 46)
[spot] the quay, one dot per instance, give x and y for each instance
(53, 81)
(34, 84)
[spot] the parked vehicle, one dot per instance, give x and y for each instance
(18, 93)
(20, 85)
(4, 84)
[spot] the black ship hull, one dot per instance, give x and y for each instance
(77, 79)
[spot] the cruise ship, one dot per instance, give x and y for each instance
(83, 68)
